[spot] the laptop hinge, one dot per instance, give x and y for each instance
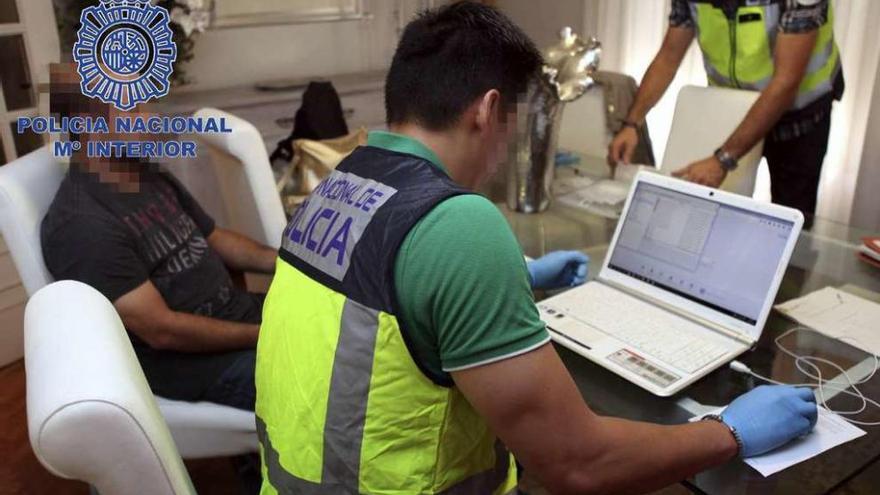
(684, 314)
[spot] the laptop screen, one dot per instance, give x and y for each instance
(717, 255)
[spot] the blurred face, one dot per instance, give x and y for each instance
(498, 143)
(494, 129)
(140, 113)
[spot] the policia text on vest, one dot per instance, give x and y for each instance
(325, 229)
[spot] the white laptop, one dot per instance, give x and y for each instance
(687, 284)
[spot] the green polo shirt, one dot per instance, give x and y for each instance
(461, 281)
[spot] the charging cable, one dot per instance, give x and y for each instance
(808, 365)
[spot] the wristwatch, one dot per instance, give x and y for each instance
(728, 162)
(736, 437)
(629, 123)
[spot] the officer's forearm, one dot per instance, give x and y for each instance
(533, 405)
(641, 457)
(661, 72)
(657, 78)
(774, 101)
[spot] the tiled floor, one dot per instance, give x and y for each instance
(21, 473)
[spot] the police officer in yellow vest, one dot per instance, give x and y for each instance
(401, 351)
(783, 48)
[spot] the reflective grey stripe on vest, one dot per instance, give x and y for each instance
(284, 482)
(346, 409)
(817, 63)
(347, 414)
(716, 79)
(771, 16)
(803, 98)
(349, 390)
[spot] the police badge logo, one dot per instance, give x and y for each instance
(124, 52)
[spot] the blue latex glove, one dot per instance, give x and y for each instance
(770, 416)
(558, 269)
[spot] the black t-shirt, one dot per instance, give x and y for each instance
(115, 241)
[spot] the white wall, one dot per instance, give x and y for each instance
(543, 21)
(242, 56)
(622, 50)
(866, 207)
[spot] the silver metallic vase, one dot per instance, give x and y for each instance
(566, 76)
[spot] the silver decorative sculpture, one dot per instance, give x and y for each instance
(566, 76)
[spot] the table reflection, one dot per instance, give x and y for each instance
(824, 256)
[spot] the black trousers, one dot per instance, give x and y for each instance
(795, 168)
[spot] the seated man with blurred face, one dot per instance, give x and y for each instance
(133, 232)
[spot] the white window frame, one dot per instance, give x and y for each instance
(36, 25)
(324, 11)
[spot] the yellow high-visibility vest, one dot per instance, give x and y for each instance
(738, 51)
(342, 406)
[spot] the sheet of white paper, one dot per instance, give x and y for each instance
(602, 191)
(838, 314)
(567, 184)
(830, 431)
(609, 192)
(603, 197)
(577, 200)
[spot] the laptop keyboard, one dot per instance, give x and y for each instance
(670, 338)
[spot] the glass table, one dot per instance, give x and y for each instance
(824, 256)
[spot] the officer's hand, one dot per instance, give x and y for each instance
(558, 269)
(707, 172)
(622, 146)
(770, 416)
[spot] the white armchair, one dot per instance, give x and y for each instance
(91, 416)
(246, 183)
(704, 118)
(233, 180)
(27, 187)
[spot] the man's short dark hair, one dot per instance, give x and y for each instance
(449, 57)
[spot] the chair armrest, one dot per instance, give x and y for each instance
(91, 415)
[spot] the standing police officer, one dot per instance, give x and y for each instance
(783, 48)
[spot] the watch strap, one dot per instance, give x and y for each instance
(728, 162)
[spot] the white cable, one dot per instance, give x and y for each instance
(815, 373)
